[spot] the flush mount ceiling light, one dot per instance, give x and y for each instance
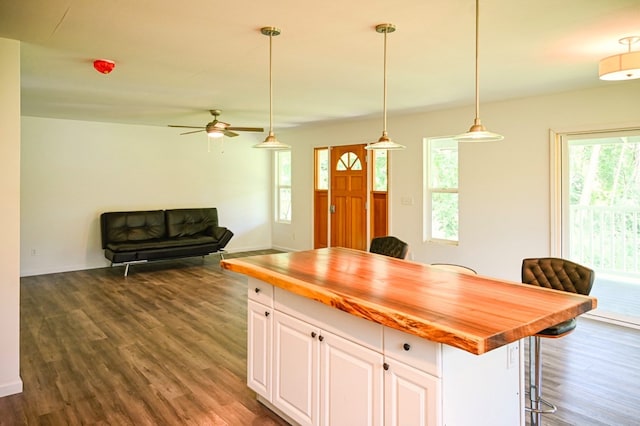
(384, 142)
(477, 132)
(271, 142)
(625, 66)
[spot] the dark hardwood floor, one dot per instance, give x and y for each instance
(167, 346)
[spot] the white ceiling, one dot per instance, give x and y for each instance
(178, 59)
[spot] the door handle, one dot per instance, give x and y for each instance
(332, 208)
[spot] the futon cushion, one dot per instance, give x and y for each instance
(120, 227)
(161, 244)
(187, 222)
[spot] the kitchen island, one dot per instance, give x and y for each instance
(340, 336)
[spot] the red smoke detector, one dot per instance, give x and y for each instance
(104, 66)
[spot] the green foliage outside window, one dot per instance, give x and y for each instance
(442, 166)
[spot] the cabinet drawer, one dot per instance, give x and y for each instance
(260, 292)
(414, 351)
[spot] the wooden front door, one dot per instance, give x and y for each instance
(348, 197)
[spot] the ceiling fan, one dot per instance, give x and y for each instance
(217, 129)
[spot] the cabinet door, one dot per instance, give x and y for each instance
(295, 378)
(350, 383)
(412, 397)
(259, 333)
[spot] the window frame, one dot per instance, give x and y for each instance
(430, 190)
(279, 186)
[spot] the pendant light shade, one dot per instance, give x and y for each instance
(477, 132)
(384, 142)
(625, 66)
(271, 142)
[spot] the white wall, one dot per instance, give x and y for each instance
(10, 381)
(74, 170)
(504, 186)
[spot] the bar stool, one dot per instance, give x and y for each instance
(389, 246)
(558, 274)
(454, 268)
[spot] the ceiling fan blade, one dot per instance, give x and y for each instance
(230, 134)
(195, 131)
(246, 129)
(186, 127)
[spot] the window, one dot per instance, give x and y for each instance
(283, 186)
(379, 169)
(349, 161)
(441, 198)
(322, 169)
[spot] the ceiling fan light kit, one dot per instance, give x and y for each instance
(625, 66)
(385, 143)
(477, 132)
(271, 142)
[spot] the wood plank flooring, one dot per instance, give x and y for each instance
(167, 346)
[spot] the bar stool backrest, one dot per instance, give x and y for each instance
(558, 274)
(389, 246)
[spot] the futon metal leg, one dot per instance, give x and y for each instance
(126, 270)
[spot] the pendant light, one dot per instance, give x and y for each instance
(477, 132)
(625, 66)
(271, 142)
(384, 142)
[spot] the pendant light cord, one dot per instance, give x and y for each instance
(270, 84)
(477, 60)
(384, 90)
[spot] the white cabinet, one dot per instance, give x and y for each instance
(351, 379)
(322, 378)
(411, 396)
(412, 380)
(259, 335)
(295, 372)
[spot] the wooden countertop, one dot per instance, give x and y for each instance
(470, 312)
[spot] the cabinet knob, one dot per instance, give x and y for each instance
(257, 290)
(406, 346)
(266, 313)
(321, 337)
(313, 334)
(385, 366)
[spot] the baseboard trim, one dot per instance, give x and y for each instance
(11, 388)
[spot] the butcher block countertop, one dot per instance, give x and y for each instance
(470, 312)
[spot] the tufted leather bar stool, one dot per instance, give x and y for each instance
(454, 268)
(389, 246)
(557, 274)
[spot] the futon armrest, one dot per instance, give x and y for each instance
(222, 234)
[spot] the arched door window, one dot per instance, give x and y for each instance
(349, 161)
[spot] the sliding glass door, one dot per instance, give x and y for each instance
(599, 215)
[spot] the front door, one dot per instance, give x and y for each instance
(348, 197)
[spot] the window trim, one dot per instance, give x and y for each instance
(429, 191)
(278, 187)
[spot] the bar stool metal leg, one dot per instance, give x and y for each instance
(536, 402)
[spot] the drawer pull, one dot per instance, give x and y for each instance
(406, 346)
(313, 334)
(266, 313)
(385, 366)
(321, 337)
(257, 290)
